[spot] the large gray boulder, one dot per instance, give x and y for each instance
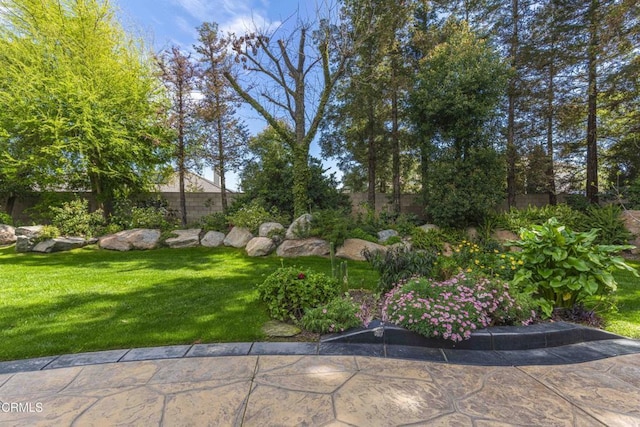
(212, 239)
(184, 238)
(270, 228)
(27, 237)
(238, 237)
(61, 244)
(353, 248)
(299, 228)
(7, 235)
(427, 227)
(137, 238)
(303, 247)
(260, 246)
(385, 235)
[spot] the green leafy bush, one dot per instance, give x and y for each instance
(332, 225)
(399, 263)
(359, 233)
(452, 309)
(252, 215)
(393, 240)
(607, 220)
(432, 239)
(153, 214)
(216, 221)
(48, 232)
(516, 219)
(74, 219)
(563, 267)
(5, 219)
(290, 291)
(337, 315)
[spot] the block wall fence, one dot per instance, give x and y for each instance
(201, 204)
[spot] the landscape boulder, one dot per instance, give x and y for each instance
(238, 237)
(137, 238)
(212, 239)
(7, 235)
(299, 228)
(427, 227)
(184, 238)
(353, 249)
(61, 244)
(385, 235)
(270, 228)
(303, 247)
(27, 237)
(260, 246)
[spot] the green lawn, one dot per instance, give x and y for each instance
(91, 299)
(626, 320)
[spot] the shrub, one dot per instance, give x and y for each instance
(359, 233)
(562, 267)
(48, 232)
(143, 214)
(399, 263)
(216, 221)
(290, 291)
(607, 220)
(337, 315)
(452, 309)
(251, 215)
(74, 219)
(332, 225)
(427, 239)
(393, 240)
(5, 219)
(517, 219)
(476, 258)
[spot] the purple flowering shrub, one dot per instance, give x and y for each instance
(453, 308)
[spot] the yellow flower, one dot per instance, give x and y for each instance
(495, 251)
(469, 270)
(502, 267)
(477, 262)
(520, 262)
(502, 256)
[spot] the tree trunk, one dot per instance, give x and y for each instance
(511, 147)
(395, 140)
(371, 160)
(221, 165)
(551, 182)
(592, 130)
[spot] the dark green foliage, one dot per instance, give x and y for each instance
(216, 221)
(516, 219)
(290, 291)
(607, 220)
(359, 233)
(432, 240)
(252, 214)
(74, 219)
(336, 316)
(144, 213)
(332, 225)
(462, 191)
(5, 219)
(398, 264)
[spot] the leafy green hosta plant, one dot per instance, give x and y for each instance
(563, 267)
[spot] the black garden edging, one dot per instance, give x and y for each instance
(499, 338)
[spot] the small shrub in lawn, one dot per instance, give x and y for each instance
(290, 291)
(563, 267)
(74, 219)
(399, 263)
(337, 315)
(452, 309)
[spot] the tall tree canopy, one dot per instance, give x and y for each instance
(80, 105)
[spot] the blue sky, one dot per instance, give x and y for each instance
(164, 23)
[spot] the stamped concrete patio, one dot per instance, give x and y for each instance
(190, 387)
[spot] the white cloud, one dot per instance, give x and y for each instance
(242, 24)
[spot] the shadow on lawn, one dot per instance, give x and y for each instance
(180, 311)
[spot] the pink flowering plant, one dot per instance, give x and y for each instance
(454, 308)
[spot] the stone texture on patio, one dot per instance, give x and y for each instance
(324, 390)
